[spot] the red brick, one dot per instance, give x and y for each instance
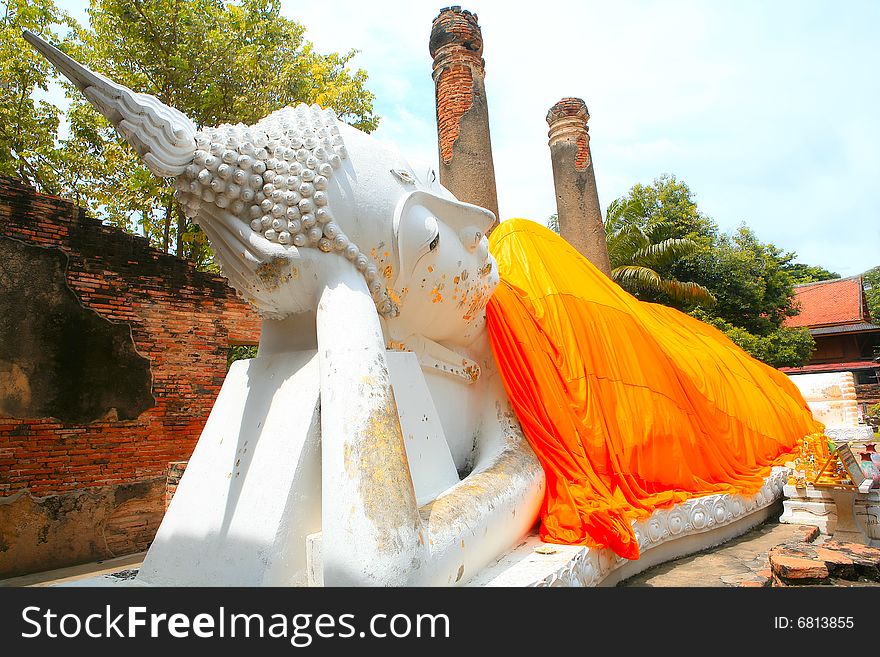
(181, 319)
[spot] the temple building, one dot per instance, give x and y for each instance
(847, 337)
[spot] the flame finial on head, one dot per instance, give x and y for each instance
(163, 136)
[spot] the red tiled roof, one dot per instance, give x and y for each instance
(838, 301)
(833, 367)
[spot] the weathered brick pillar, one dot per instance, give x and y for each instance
(466, 167)
(577, 200)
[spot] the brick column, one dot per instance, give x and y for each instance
(466, 167)
(577, 200)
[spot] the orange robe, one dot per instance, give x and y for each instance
(630, 406)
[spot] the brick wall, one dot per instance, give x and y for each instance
(182, 321)
(172, 479)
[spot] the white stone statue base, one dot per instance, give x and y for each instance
(684, 529)
(251, 492)
(814, 506)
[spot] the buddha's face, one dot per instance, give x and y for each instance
(445, 272)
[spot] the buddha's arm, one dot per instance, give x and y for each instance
(372, 534)
(477, 520)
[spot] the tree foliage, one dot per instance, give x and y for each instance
(240, 352)
(644, 242)
(28, 126)
(871, 281)
(639, 252)
(801, 273)
(667, 208)
(751, 281)
(216, 61)
(748, 278)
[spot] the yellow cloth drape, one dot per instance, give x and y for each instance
(629, 406)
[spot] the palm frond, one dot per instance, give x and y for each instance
(635, 279)
(624, 242)
(629, 211)
(665, 252)
(687, 292)
(637, 253)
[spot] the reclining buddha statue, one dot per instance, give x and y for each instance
(422, 394)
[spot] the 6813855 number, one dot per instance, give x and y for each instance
(824, 622)
(814, 622)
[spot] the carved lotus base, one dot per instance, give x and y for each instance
(857, 434)
(668, 534)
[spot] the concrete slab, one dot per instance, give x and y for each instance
(738, 562)
(78, 573)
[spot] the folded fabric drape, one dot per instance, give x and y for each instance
(630, 406)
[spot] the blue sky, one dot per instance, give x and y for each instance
(768, 110)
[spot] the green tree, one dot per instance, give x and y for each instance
(801, 273)
(216, 61)
(668, 210)
(638, 253)
(748, 277)
(871, 281)
(750, 281)
(27, 126)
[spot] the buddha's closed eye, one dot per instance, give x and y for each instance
(419, 235)
(429, 237)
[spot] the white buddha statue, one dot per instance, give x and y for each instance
(371, 441)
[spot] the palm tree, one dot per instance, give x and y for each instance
(637, 252)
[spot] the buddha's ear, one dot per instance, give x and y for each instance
(416, 224)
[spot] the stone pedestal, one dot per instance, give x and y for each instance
(832, 400)
(856, 434)
(814, 506)
(831, 397)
